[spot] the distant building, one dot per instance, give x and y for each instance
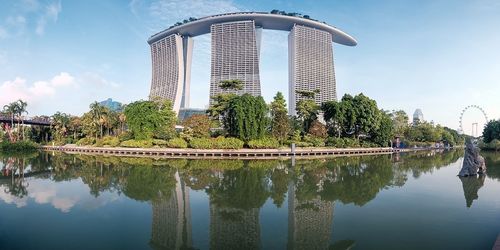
(418, 116)
(112, 105)
(185, 113)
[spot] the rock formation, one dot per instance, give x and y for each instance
(473, 163)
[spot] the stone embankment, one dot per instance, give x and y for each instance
(226, 153)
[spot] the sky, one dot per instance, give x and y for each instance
(436, 55)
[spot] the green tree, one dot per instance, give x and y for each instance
(334, 115)
(307, 109)
(385, 131)
(367, 115)
(400, 121)
(60, 123)
(148, 118)
(246, 117)
(280, 124)
(491, 131)
(200, 125)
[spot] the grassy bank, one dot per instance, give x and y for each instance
(19, 146)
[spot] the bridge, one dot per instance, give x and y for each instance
(40, 121)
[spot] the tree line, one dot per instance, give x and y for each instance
(234, 121)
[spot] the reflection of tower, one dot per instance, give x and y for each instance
(171, 227)
(234, 228)
(310, 223)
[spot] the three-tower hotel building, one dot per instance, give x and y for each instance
(235, 50)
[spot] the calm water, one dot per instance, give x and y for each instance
(408, 201)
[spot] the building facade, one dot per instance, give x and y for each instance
(171, 69)
(310, 62)
(235, 55)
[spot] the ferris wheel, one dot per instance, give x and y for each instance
(461, 129)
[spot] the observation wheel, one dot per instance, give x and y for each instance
(468, 108)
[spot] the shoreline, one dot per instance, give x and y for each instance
(230, 153)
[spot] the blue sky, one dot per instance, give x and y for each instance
(437, 55)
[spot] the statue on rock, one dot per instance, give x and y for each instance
(473, 163)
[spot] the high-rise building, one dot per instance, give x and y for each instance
(310, 62)
(418, 117)
(112, 105)
(171, 74)
(235, 55)
(235, 52)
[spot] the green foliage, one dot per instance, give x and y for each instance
(266, 142)
(342, 142)
(400, 122)
(233, 84)
(199, 124)
(216, 143)
(314, 140)
(151, 118)
(125, 136)
(108, 141)
(307, 112)
(385, 132)
(317, 129)
(246, 117)
(492, 145)
(85, 141)
(19, 146)
(177, 143)
(137, 143)
(280, 124)
(491, 131)
(159, 142)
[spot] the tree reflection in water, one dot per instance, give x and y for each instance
(238, 189)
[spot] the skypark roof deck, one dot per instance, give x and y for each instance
(265, 20)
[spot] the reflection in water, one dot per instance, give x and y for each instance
(310, 222)
(471, 185)
(237, 190)
(171, 227)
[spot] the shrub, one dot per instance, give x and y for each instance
(177, 143)
(367, 144)
(199, 124)
(107, 141)
(137, 144)
(125, 136)
(343, 143)
(217, 143)
(159, 142)
(18, 146)
(318, 129)
(266, 142)
(227, 143)
(303, 144)
(314, 141)
(201, 143)
(85, 141)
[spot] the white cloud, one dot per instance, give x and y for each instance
(18, 89)
(63, 79)
(51, 14)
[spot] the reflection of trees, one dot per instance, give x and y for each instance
(471, 186)
(422, 162)
(492, 160)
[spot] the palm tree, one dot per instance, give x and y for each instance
(21, 106)
(122, 118)
(97, 111)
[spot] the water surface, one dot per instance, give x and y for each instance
(407, 201)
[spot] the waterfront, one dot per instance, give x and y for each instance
(398, 201)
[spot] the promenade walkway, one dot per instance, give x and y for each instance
(225, 153)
